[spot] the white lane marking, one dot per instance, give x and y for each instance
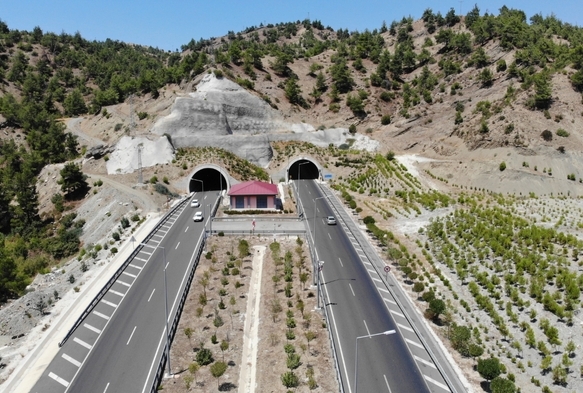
(329, 236)
(166, 267)
(387, 382)
(424, 361)
(109, 303)
(135, 266)
(92, 328)
(383, 290)
(131, 335)
(390, 301)
(186, 230)
(147, 245)
(101, 315)
(441, 385)
(123, 283)
(146, 252)
(367, 262)
(176, 248)
(117, 293)
(157, 235)
(371, 271)
(404, 327)
(129, 274)
(151, 294)
(71, 360)
(81, 342)
(414, 343)
(376, 279)
(58, 379)
(396, 313)
(106, 387)
(341, 262)
(366, 326)
(351, 290)
(141, 259)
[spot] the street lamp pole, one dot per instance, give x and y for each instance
(165, 306)
(388, 332)
(201, 183)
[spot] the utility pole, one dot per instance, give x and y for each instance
(140, 179)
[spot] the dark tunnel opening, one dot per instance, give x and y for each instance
(303, 169)
(207, 179)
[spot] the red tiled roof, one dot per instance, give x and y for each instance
(254, 187)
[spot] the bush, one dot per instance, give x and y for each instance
(352, 129)
(386, 119)
(502, 166)
(115, 236)
(154, 180)
(204, 356)
(562, 132)
(547, 135)
(489, 368)
(369, 220)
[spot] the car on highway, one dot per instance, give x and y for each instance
(198, 216)
(194, 203)
(331, 220)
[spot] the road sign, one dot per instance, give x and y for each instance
(387, 269)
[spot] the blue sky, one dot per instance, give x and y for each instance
(168, 24)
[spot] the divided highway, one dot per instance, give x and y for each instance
(359, 305)
(118, 347)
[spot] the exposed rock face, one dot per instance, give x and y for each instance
(223, 114)
(98, 151)
(125, 157)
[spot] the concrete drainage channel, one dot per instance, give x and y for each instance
(398, 305)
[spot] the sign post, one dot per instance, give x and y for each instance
(387, 270)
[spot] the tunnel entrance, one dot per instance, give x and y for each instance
(207, 179)
(303, 169)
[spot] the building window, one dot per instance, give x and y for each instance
(240, 202)
(262, 201)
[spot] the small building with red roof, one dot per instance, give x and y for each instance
(251, 195)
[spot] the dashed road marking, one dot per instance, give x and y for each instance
(414, 343)
(81, 342)
(352, 290)
(92, 328)
(396, 313)
(101, 315)
(58, 379)
(176, 248)
(109, 303)
(427, 363)
(154, 290)
(71, 360)
(433, 381)
(405, 327)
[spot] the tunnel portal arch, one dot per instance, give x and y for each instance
(304, 168)
(209, 177)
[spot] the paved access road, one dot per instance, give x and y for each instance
(118, 346)
(359, 305)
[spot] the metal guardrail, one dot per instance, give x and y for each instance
(257, 218)
(118, 273)
(160, 370)
(367, 250)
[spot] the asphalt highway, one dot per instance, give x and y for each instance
(118, 346)
(359, 312)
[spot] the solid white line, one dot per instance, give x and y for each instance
(106, 387)
(387, 382)
(117, 293)
(176, 248)
(414, 343)
(92, 328)
(441, 385)
(109, 303)
(366, 326)
(101, 315)
(123, 283)
(81, 342)
(424, 361)
(135, 266)
(329, 236)
(151, 294)
(58, 379)
(351, 290)
(404, 327)
(71, 360)
(131, 335)
(186, 230)
(396, 313)
(341, 262)
(129, 274)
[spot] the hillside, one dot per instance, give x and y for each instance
(478, 120)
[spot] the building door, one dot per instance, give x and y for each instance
(262, 201)
(240, 202)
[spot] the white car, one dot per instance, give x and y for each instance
(194, 203)
(198, 216)
(330, 220)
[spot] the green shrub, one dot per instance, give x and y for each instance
(562, 132)
(386, 119)
(502, 166)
